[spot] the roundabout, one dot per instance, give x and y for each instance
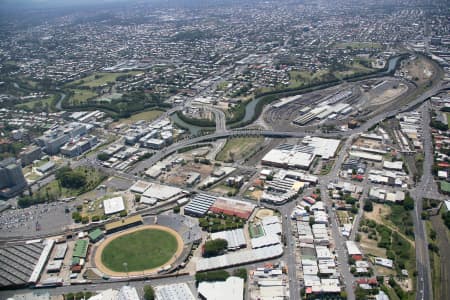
(138, 251)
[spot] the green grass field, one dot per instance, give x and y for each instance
(255, 231)
(81, 96)
(141, 250)
(238, 148)
(148, 115)
(99, 79)
(30, 104)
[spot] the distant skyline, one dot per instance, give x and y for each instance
(60, 3)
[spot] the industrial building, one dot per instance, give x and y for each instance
(230, 289)
(113, 205)
(239, 257)
(178, 291)
(12, 181)
(23, 264)
(301, 156)
(60, 251)
(289, 157)
(232, 207)
(235, 238)
(200, 205)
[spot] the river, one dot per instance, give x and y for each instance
(250, 108)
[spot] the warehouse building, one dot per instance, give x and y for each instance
(178, 291)
(289, 157)
(22, 264)
(161, 192)
(235, 238)
(232, 207)
(200, 205)
(239, 257)
(113, 205)
(60, 251)
(230, 289)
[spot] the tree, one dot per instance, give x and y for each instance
(368, 206)
(76, 216)
(79, 296)
(219, 275)
(102, 156)
(408, 204)
(241, 272)
(214, 247)
(69, 296)
(149, 293)
(176, 209)
(361, 294)
(70, 179)
(137, 198)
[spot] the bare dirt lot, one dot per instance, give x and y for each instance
(179, 174)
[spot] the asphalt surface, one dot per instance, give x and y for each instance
(424, 285)
(339, 240)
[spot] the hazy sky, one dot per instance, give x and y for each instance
(17, 3)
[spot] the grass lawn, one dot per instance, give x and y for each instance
(99, 79)
(141, 250)
(255, 231)
(43, 102)
(298, 78)
(93, 179)
(448, 119)
(355, 67)
(445, 186)
(81, 96)
(149, 115)
(435, 263)
(238, 148)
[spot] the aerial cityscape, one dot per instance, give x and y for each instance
(224, 150)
